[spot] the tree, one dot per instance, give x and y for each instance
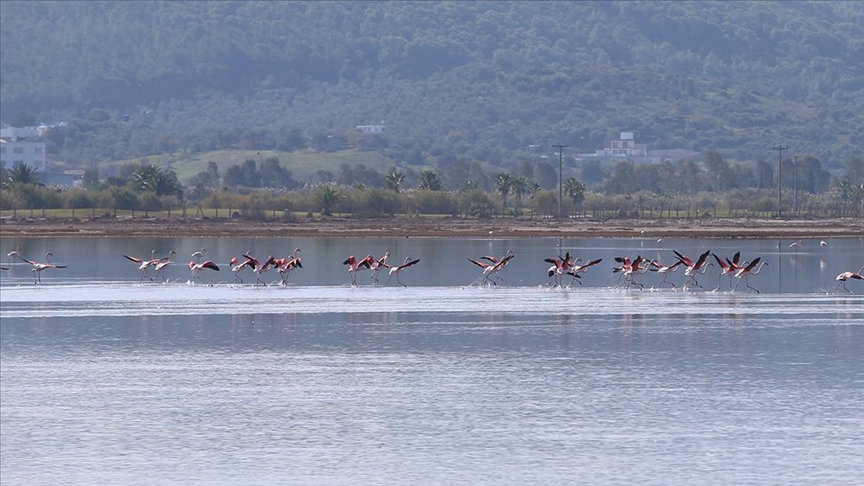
(23, 174)
(154, 179)
(394, 179)
(326, 197)
(575, 189)
(519, 187)
(243, 175)
(502, 185)
(429, 180)
(90, 180)
(272, 174)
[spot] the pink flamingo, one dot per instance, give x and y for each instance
(728, 268)
(197, 267)
(492, 269)
(38, 267)
(160, 267)
(398, 270)
(664, 270)
(747, 271)
(560, 266)
(577, 269)
(143, 265)
(694, 268)
(843, 277)
(377, 265)
(259, 268)
(285, 265)
(354, 265)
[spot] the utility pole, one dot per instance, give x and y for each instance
(560, 175)
(780, 149)
(795, 178)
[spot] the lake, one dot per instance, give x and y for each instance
(107, 381)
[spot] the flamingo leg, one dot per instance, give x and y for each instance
(400, 282)
(749, 287)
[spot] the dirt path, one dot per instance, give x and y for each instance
(398, 227)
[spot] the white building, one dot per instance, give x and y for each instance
(367, 129)
(17, 147)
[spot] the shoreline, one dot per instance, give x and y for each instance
(432, 227)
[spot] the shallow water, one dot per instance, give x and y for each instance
(105, 381)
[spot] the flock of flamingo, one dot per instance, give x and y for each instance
(561, 268)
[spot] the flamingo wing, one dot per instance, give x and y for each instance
(479, 264)
(688, 262)
(409, 264)
(752, 265)
(134, 259)
(210, 265)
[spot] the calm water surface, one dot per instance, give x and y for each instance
(105, 381)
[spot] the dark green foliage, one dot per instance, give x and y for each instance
(199, 76)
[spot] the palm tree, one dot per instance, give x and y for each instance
(575, 189)
(23, 174)
(394, 179)
(150, 178)
(502, 184)
(327, 197)
(519, 187)
(429, 180)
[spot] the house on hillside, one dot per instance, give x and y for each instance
(372, 129)
(19, 146)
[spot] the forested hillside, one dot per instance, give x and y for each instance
(474, 80)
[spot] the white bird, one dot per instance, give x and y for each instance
(822, 243)
(198, 255)
(398, 270)
(38, 267)
(843, 277)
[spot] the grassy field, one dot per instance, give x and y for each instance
(303, 165)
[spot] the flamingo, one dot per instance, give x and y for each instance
(285, 265)
(197, 267)
(492, 269)
(796, 245)
(577, 269)
(143, 265)
(694, 267)
(843, 277)
(377, 265)
(747, 271)
(198, 255)
(664, 270)
(259, 268)
(12, 255)
(398, 270)
(237, 266)
(560, 266)
(354, 265)
(629, 270)
(160, 267)
(728, 268)
(38, 267)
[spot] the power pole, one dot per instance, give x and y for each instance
(780, 149)
(795, 178)
(560, 175)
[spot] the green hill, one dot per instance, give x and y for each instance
(479, 80)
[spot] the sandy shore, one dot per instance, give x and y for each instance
(399, 227)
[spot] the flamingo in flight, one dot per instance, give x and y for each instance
(693, 268)
(143, 264)
(398, 270)
(237, 266)
(377, 265)
(747, 271)
(728, 268)
(196, 268)
(38, 267)
(354, 265)
(843, 277)
(493, 268)
(577, 269)
(285, 265)
(665, 270)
